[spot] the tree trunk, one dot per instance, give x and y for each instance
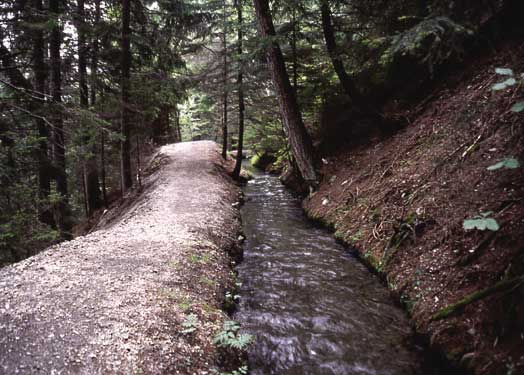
(361, 105)
(294, 51)
(94, 54)
(103, 170)
(238, 164)
(55, 41)
(138, 167)
(177, 125)
(331, 46)
(91, 183)
(9, 143)
(82, 57)
(160, 129)
(224, 96)
(44, 164)
(125, 122)
(299, 139)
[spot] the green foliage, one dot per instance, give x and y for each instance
(431, 42)
(504, 85)
(504, 71)
(517, 107)
(240, 371)
(481, 222)
(190, 324)
(509, 82)
(199, 259)
(508, 163)
(230, 337)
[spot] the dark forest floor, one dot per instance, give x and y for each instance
(401, 203)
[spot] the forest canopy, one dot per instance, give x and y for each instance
(89, 87)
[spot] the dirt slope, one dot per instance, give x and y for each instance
(114, 301)
(402, 201)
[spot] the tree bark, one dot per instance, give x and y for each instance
(82, 56)
(7, 142)
(94, 54)
(160, 129)
(125, 123)
(103, 166)
(91, 183)
(299, 139)
(224, 95)
(238, 164)
(55, 41)
(40, 76)
(177, 125)
(331, 46)
(294, 51)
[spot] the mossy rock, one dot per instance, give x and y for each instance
(262, 160)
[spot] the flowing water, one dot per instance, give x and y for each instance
(312, 306)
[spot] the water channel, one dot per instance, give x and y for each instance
(312, 306)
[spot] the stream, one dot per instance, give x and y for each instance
(311, 305)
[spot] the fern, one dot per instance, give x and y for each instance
(190, 324)
(240, 371)
(229, 337)
(241, 341)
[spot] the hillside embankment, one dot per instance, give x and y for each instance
(140, 295)
(401, 201)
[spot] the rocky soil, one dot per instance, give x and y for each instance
(119, 299)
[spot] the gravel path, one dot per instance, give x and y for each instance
(114, 301)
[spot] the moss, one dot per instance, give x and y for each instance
(184, 303)
(340, 236)
(508, 284)
(356, 236)
(372, 261)
(408, 302)
(263, 159)
(255, 160)
(206, 281)
(199, 259)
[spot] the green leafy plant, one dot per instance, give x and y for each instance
(481, 222)
(511, 80)
(232, 297)
(518, 107)
(508, 163)
(240, 371)
(230, 337)
(190, 324)
(199, 259)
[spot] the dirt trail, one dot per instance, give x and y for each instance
(114, 301)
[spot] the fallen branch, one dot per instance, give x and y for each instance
(503, 285)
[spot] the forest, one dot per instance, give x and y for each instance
(397, 122)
